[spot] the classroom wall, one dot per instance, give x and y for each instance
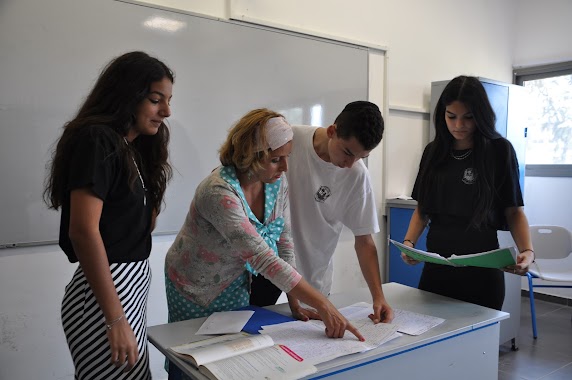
(32, 282)
(427, 41)
(422, 49)
(541, 29)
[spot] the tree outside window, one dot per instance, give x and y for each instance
(549, 139)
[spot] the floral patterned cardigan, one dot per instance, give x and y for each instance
(218, 239)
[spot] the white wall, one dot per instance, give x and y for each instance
(427, 41)
(542, 31)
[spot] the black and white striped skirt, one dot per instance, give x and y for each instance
(84, 323)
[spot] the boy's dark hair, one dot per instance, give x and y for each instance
(361, 119)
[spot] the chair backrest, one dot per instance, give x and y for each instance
(551, 242)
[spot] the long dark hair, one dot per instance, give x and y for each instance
(469, 91)
(123, 84)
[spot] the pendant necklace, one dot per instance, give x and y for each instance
(140, 177)
(462, 156)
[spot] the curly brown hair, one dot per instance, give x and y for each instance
(241, 146)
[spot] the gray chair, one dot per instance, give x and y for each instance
(553, 251)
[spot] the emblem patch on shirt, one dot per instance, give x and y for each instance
(469, 176)
(322, 194)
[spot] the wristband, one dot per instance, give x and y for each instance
(533, 254)
(412, 243)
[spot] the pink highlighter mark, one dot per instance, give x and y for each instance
(291, 353)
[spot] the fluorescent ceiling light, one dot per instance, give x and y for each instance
(165, 24)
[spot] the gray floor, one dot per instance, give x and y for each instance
(549, 357)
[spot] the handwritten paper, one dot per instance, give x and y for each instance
(407, 322)
(411, 323)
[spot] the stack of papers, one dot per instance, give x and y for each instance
(407, 322)
(308, 339)
(305, 340)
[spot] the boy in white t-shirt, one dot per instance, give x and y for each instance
(329, 187)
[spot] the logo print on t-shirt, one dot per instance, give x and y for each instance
(469, 176)
(322, 194)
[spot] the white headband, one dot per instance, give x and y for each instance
(278, 133)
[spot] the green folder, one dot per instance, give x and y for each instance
(497, 258)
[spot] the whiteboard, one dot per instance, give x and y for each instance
(51, 53)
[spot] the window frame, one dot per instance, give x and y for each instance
(522, 74)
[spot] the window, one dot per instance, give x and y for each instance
(549, 125)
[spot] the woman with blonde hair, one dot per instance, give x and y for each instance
(239, 225)
(467, 189)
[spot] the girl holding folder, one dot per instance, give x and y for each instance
(467, 189)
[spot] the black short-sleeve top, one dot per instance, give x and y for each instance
(125, 224)
(454, 190)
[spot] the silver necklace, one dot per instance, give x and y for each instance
(140, 177)
(462, 156)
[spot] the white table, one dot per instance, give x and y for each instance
(464, 347)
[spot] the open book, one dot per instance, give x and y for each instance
(240, 356)
(497, 258)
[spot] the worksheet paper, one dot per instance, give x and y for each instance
(408, 322)
(411, 323)
(308, 339)
(225, 322)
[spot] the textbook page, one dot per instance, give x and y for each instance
(273, 363)
(210, 350)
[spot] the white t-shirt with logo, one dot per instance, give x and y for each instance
(323, 198)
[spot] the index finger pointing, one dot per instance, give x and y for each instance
(355, 331)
